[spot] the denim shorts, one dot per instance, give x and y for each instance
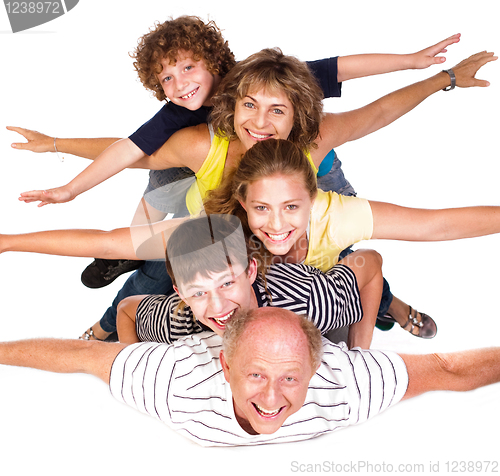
(166, 190)
(334, 180)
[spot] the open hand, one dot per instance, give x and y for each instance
(465, 71)
(37, 142)
(425, 58)
(46, 197)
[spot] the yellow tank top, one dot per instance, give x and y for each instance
(210, 174)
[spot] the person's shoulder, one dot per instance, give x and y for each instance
(328, 201)
(297, 271)
(158, 303)
(185, 117)
(194, 142)
(197, 134)
(202, 345)
(202, 342)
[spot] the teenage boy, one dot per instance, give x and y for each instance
(214, 275)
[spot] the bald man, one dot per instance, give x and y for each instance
(271, 378)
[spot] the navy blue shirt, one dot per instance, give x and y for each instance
(170, 118)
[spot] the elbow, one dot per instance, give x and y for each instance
(451, 374)
(107, 249)
(112, 245)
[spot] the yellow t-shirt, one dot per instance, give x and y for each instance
(336, 222)
(210, 174)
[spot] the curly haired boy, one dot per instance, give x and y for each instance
(174, 40)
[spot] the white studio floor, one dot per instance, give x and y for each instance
(73, 77)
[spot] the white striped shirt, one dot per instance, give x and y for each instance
(183, 385)
(331, 300)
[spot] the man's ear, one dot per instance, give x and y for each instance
(225, 366)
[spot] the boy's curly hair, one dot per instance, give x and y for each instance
(189, 33)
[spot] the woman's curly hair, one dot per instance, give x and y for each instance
(270, 69)
(189, 33)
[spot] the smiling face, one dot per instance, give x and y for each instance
(269, 373)
(188, 83)
(262, 115)
(216, 298)
(279, 220)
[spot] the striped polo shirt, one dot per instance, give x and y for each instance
(183, 385)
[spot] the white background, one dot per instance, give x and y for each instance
(73, 77)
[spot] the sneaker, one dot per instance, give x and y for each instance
(385, 323)
(113, 337)
(102, 272)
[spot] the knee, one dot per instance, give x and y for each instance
(444, 363)
(122, 310)
(377, 258)
(372, 257)
(367, 254)
(450, 373)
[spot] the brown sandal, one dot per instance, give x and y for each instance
(427, 328)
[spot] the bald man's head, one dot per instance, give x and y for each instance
(269, 356)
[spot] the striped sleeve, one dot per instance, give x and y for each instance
(374, 380)
(331, 300)
(158, 319)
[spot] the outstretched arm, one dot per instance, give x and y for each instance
(186, 148)
(358, 66)
(117, 157)
(457, 371)
(138, 242)
(337, 129)
(62, 356)
(38, 142)
(392, 222)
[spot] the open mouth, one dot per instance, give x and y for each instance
(267, 413)
(280, 238)
(221, 321)
(191, 94)
(256, 136)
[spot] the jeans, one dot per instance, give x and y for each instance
(334, 179)
(166, 190)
